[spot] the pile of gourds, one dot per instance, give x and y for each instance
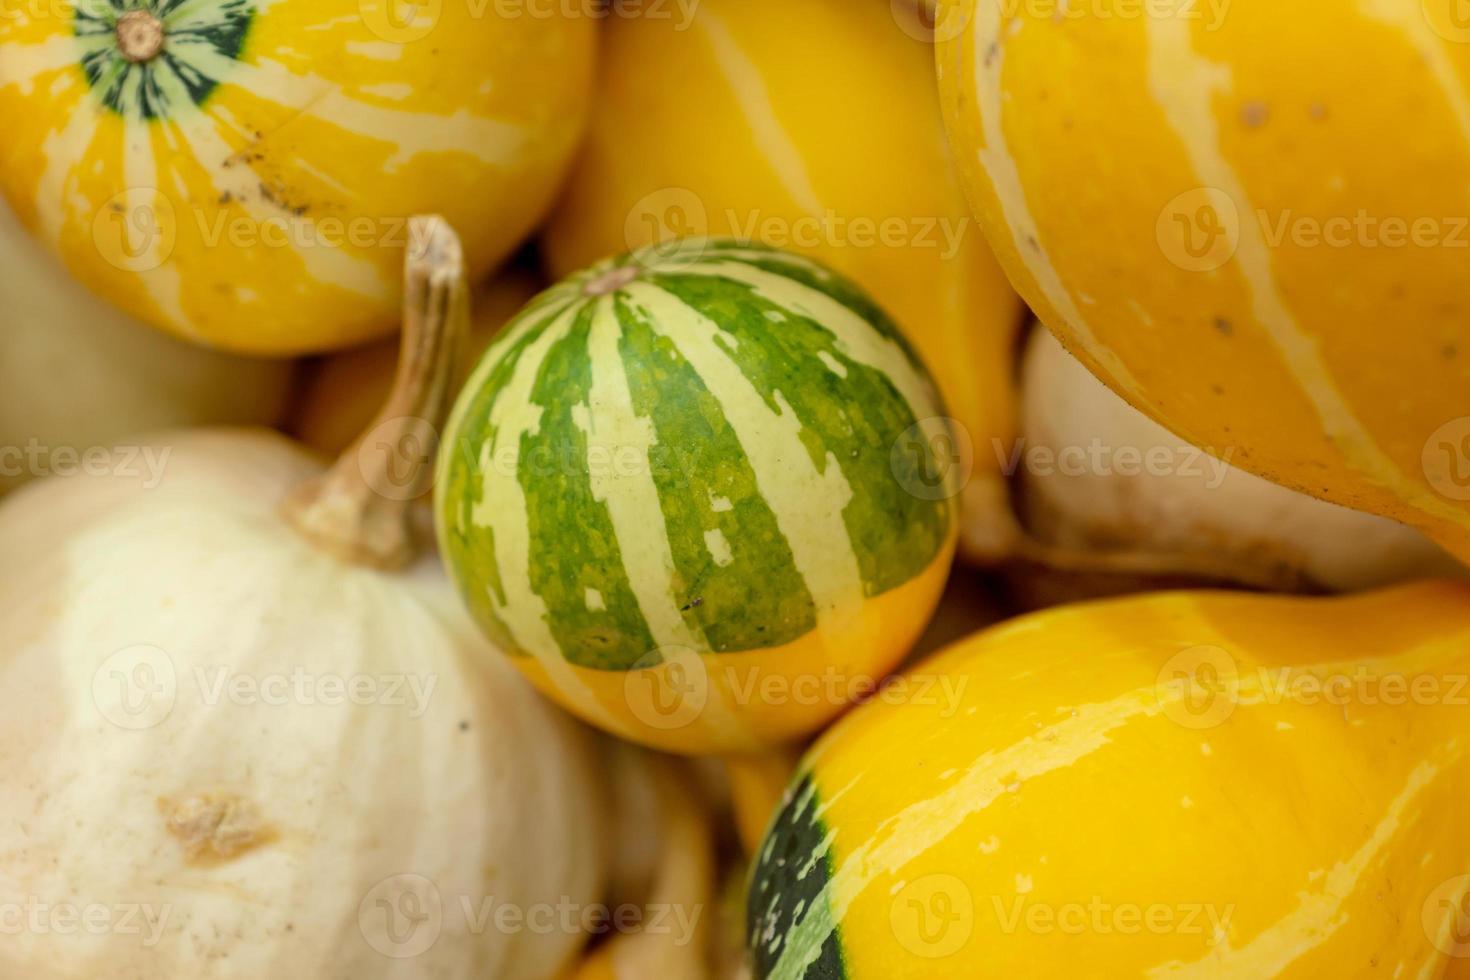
(542, 491)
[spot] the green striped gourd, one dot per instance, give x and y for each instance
(701, 494)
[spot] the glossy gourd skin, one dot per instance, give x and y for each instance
(79, 376)
(811, 125)
(1243, 230)
(259, 200)
(1280, 779)
(690, 473)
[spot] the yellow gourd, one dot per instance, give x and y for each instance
(1171, 785)
(241, 173)
(756, 119)
(1256, 236)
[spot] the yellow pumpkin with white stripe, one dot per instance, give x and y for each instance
(754, 119)
(694, 492)
(1251, 234)
(240, 172)
(1173, 785)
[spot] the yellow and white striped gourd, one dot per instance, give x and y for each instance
(1171, 785)
(241, 172)
(1250, 219)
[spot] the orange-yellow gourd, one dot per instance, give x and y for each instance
(811, 125)
(1255, 231)
(1172, 785)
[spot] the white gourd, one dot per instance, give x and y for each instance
(1193, 515)
(203, 725)
(78, 374)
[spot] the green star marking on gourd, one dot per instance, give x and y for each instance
(152, 59)
(688, 449)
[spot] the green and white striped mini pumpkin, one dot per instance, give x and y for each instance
(702, 493)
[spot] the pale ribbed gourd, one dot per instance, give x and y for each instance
(756, 119)
(694, 492)
(252, 733)
(1256, 236)
(1171, 785)
(240, 173)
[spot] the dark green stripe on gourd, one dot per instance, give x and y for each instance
(197, 38)
(788, 880)
(857, 418)
(758, 599)
(839, 287)
(574, 546)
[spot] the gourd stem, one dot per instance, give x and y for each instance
(361, 509)
(139, 36)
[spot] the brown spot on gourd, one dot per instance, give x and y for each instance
(214, 826)
(1255, 113)
(1224, 326)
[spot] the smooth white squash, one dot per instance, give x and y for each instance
(1102, 480)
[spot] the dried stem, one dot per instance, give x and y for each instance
(139, 36)
(360, 509)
